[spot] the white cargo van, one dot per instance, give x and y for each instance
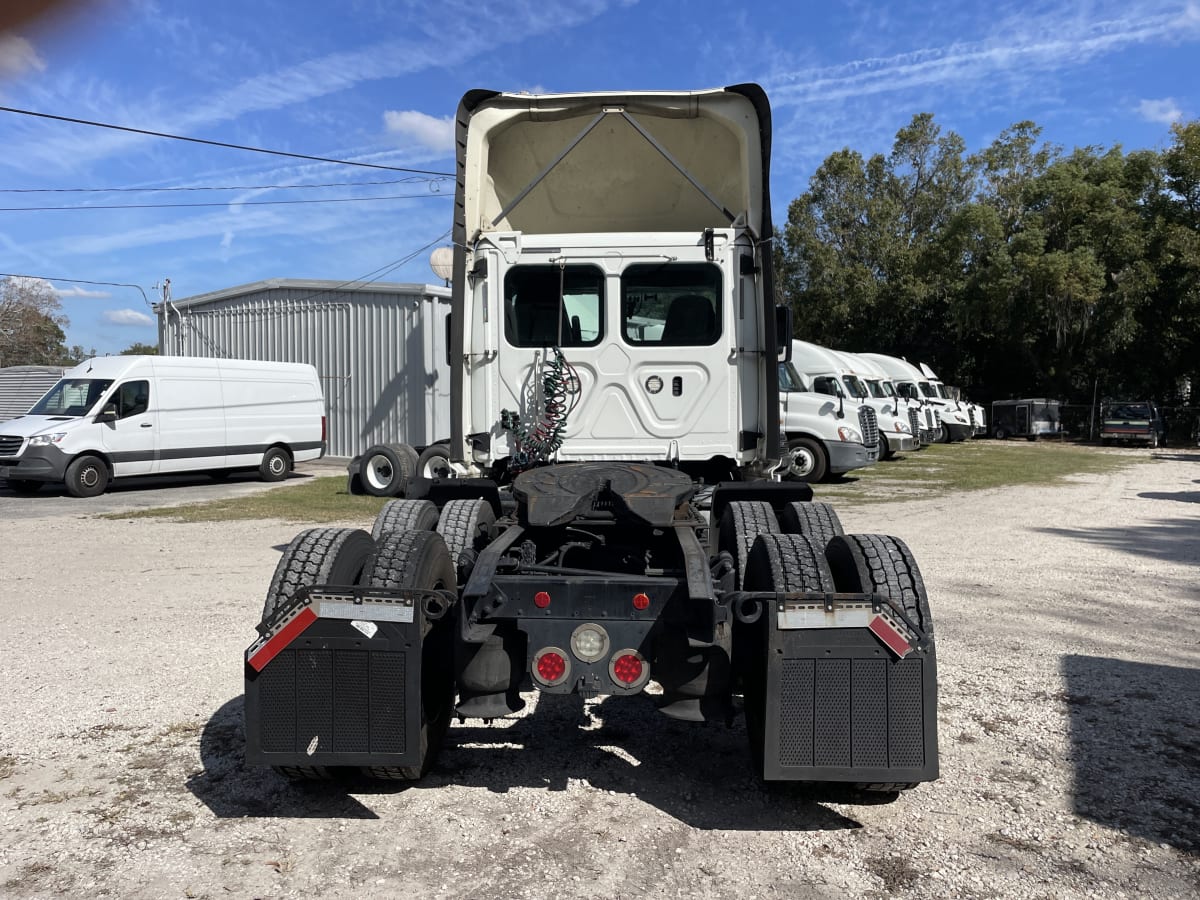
(116, 416)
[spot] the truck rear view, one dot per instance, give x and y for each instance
(612, 523)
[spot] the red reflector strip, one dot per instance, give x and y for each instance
(890, 635)
(287, 634)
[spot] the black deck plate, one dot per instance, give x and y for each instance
(554, 495)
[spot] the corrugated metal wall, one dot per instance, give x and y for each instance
(379, 352)
(23, 386)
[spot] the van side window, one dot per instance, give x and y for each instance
(132, 398)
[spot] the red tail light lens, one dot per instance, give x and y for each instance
(324, 429)
(640, 601)
(550, 666)
(541, 599)
(629, 669)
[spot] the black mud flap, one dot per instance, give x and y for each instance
(848, 704)
(336, 681)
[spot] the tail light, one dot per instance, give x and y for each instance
(324, 429)
(629, 669)
(589, 642)
(550, 666)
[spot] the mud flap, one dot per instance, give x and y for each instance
(337, 682)
(843, 704)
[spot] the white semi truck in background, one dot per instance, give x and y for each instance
(611, 513)
(829, 374)
(826, 434)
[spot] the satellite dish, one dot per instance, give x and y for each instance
(441, 261)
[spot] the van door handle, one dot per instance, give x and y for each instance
(147, 425)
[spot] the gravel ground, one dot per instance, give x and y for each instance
(1069, 722)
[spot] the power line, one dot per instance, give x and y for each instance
(78, 281)
(224, 203)
(193, 140)
(229, 187)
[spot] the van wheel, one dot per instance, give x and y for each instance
(276, 463)
(1001, 434)
(805, 460)
(87, 476)
(435, 462)
(23, 486)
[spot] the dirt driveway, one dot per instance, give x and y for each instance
(1069, 656)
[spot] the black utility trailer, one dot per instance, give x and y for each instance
(1030, 419)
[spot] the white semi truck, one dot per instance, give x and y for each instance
(611, 513)
(822, 364)
(826, 434)
(912, 384)
(882, 387)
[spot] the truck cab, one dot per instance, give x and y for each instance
(612, 515)
(827, 433)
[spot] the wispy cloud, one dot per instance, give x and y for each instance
(79, 291)
(127, 318)
(1165, 111)
(427, 130)
(18, 56)
(1024, 50)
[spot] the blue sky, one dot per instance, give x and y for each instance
(378, 81)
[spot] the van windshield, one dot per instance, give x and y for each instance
(71, 397)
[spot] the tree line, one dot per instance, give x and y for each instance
(31, 327)
(1019, 270)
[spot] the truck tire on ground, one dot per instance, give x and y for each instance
(1001, 434)
(741, 522)
(318, 556)
(404, 515)
(419, 559)
(434, 462)
(885, 448)
(877, 562)
(777, 562)
(806, 460)
(466, 525)
(87, 476)
(275, 465)
(386, 469)
(815, 520)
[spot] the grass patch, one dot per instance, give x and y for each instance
(933, 471)
(972, 466)
(312, 500)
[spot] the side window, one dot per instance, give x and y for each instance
(827, 384)
(671, 304)
(547, 306)
(132, 398)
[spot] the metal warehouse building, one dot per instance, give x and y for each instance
(379, 349)
(23, 386)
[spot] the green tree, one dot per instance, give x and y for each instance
(31, 323)
(140, 349)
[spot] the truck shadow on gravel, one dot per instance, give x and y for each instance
(699, 774)
(1171, 540)
(1135, 740)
